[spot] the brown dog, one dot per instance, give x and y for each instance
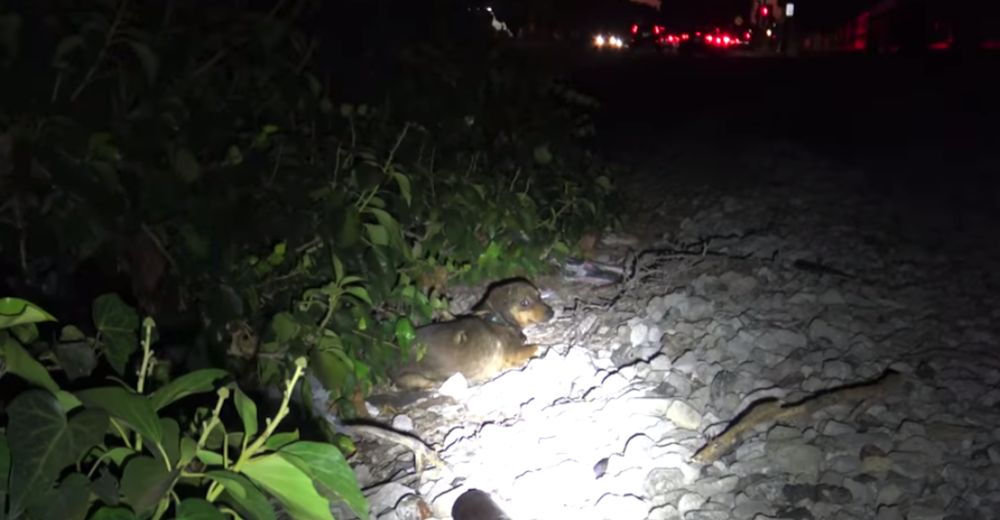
(481, 345)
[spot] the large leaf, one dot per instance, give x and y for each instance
(146, 481)
(198, 509)
(106, 487)
(75, 355)
(15, 311)
(243, 495)
(20, 363)
(117, 324)
(43, 442)
(113, 513)
(69, 501)
(290, 485)
(195, 382)
(329, 471)
(133, 409)
(248, 414)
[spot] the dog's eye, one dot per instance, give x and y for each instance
(525, 303)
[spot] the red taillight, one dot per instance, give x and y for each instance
(685, 36)
(635, 28)
(764, 10)
(726, 40)
(657, 29)
(709, 38)
(746, 36)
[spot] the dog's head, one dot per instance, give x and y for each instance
(517, 302)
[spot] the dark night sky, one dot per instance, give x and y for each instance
(686, 12)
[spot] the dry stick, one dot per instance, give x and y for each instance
(112, 30)
(772, 410)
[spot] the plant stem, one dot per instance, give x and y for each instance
(147, 354)
(272, 424)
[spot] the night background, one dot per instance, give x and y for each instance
(531, 259)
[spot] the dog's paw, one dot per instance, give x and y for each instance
(519, 356)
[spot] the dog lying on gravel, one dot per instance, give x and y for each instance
(481, 345)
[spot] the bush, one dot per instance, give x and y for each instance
(200, 151)
(129, 451)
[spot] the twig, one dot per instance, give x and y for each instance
(108, 40)
(159, 246)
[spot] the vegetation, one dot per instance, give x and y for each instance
(219, 167)
(128, 451)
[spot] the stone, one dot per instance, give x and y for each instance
(863, 492)
(403, 423)
(625, 507)
(797, 459)
(890, 512)
(689, 502)
(639, 334)
(683, 415)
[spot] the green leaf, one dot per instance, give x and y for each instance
(113, 513)
(377, 234)
(198, 509)
(26, 333)
(278, 440)
(144, 482)
(338, 269)
(542, 155)
(209, 458)
(42, 443)
(15, 311)
(20, 363)
(326, 467)
(171, 441)
(405, 333)
(196, 382)
(69, 501)
(133, 409)
(350, 227)
(360, 293)
(186, 165)
(290, 485)
(118, 454)
(243, 495)
(285, 327)
(404, 186)
(106, 487)
(76, 358)
(188, 449)
(147, 58)
(248, 413)
(117, 324)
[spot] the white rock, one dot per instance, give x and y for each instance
(624, 507)
(683, 415)
(689, 502)
(639, 334)
(456, 386)
(402, 422)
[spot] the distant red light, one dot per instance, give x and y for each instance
(764, 10)
(709, 38)
(685, 36)
(635, 28)
(657, 29)
(726, 40)
(746, 35)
